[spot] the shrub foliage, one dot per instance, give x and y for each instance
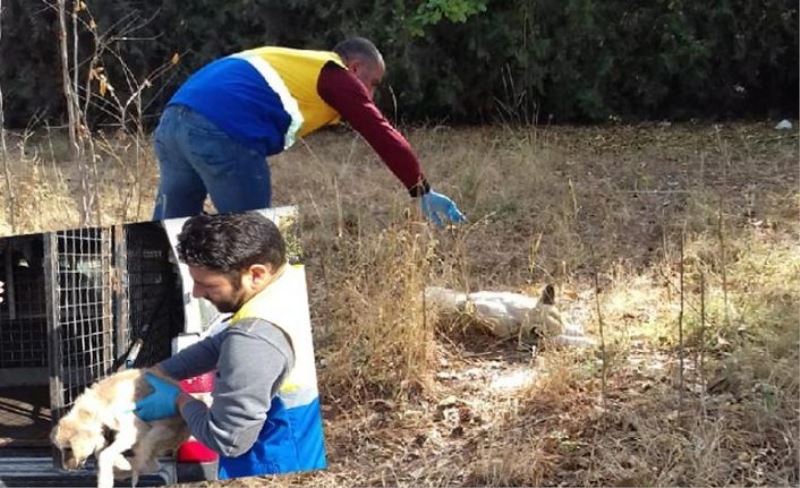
(449, 60)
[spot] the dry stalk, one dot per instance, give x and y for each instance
(575, 208)
(723, 262)
(113, 153)
(339, 211)
(602, 338)
(702, 345)
(532, 264)
(680, 326)
(721, 227)
(672, 288)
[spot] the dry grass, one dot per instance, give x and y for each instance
(415, 399)
(47, 186)
(380, 302)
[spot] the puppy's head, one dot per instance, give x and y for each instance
(77, 437)
(546, 318)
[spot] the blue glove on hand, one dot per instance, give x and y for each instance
(435, 204)
(162, 403)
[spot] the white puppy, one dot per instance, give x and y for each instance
(506, 314)
(107, 407)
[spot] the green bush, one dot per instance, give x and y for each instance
(453, 60)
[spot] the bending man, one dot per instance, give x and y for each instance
(224, 121)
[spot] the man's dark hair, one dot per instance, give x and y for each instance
(229, 243)
(358, 48)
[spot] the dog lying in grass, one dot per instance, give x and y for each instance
(507, 315)
(107, 408)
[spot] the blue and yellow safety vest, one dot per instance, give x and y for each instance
(291, 438)
(264, 97)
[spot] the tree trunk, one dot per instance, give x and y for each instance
(73, 108)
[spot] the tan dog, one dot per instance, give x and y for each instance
(504, 314)
(507, 315)
(108, 406)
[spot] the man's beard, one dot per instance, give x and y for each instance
(229, 306)
(235, 302)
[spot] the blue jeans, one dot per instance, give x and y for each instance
(196, 158)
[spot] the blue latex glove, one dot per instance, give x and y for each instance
(435, 205)
(162, 403)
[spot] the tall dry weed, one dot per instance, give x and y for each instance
(376, 316)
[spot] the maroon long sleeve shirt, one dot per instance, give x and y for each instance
(347, 95)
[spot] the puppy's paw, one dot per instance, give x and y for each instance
(122, 465)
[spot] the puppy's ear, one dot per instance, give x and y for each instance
(85, 416)
(62, 433)
(548, 295)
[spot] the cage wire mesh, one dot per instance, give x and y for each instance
(81, 306)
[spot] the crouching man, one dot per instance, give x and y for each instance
(265, 415)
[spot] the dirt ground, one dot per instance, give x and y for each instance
(673, 245)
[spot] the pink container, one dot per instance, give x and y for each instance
(193, 451)
(199, 384)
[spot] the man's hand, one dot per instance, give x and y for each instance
(435, 205)
(162, 403)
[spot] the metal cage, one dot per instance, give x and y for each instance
(75, 302)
